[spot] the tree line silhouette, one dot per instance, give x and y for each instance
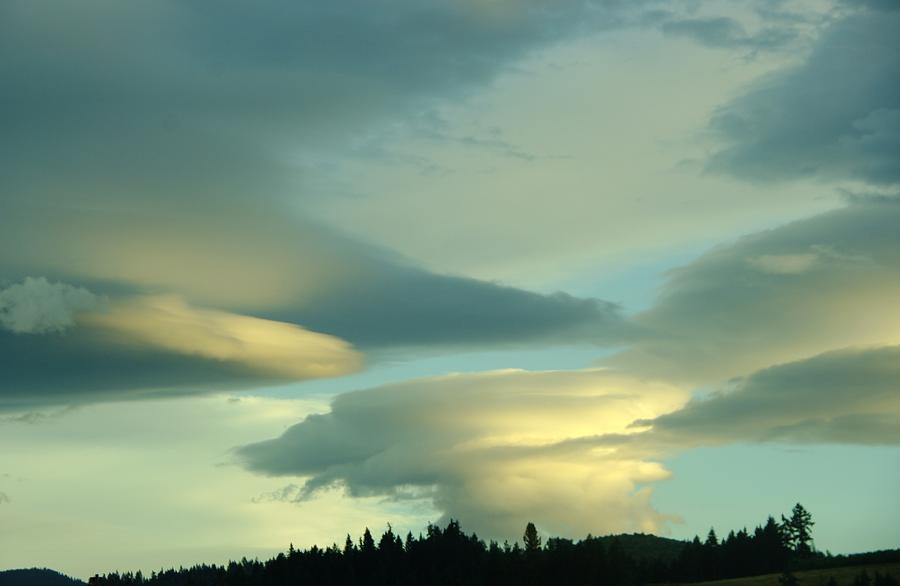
(449, 556)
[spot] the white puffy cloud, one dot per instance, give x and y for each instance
(489, 449)
(39, 306)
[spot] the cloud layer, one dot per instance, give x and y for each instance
(490, 449)
(803, 315)
(272, 348)
(777, 296)
(162, 162)
(836, 116)
(847, 396)
(140, 346)
(180, 139)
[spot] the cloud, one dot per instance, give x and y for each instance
(725, 32)
(785, 264)
(489, 449)
(815, 298)
(224, 99)
(786, 294)
(883, 5)
(311, 276)
(836, 116)
(37, 306)
(849, 396)
(215, 282)
(794, 264)
(409, 307)
(273, 348)
(160, 345)
(181, 139)
(172, 500)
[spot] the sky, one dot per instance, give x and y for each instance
(274, 272)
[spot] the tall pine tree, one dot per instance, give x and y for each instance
(798, 530)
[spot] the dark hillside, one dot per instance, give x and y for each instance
(644, 546)
(36, 577)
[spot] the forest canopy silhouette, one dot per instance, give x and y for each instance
(448, 555)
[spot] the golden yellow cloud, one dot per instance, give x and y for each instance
(489, 449)
(278, 349)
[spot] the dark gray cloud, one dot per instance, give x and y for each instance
(83, 366)
(835, 116)
(846, 396)
(781, 295)
(394, 305)
(154, 346)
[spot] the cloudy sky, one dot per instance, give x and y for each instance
(276, 271)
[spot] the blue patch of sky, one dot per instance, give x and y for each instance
(851, 491)
(387, 369)
(633, 284)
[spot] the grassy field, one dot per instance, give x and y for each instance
(843, 576)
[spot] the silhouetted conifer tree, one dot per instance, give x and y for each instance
(448, 556)
(366, 543)
(798, 530)
(531, 539)
(348, 546)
